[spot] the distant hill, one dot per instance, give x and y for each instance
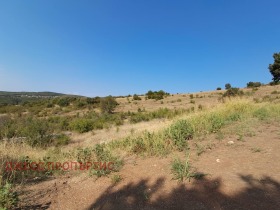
(31, 94)
(20, 97)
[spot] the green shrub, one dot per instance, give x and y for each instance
(218, 88)
(216, 122)
(183, 170)
(103, 154)
(61, 140)
(108, 104)
(180, 132)
(139, 146)
(157, 95)
(233, 92)
(82, 125)
(116, 179)
(62, 101)
(254, 84)
(136, 97)
(261, 113)
(192, 101)
(8, 198)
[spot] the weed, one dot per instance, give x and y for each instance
(180, 132)
(240, 137)
(199, 149)
(255, 149)
(220, 135)
(8, 198)
(182, 170)
(116, 179)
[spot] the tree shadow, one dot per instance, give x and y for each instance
(206, 194)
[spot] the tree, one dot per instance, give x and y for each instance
(275, 68)
(158, 95)
(108, 104)
(253, 84)
(227, 86)
(233, 92)
(136, 97)
(218, 88)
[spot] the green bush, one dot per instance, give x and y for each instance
(108, 104)
(61, 140)
(183, 170)
(82, 125)
(157, 95)
(136, 97)
(216, 122)
(37, 132)
(103, 154)
(262, 113)
(8, 198)
(253, 84)
(62, 101)
(192, 101)
(180, 132)
(233, 92)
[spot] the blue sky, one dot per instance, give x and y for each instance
(102, 47)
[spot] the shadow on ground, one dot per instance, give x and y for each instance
(258, 194)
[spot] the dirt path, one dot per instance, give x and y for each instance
(242, 175)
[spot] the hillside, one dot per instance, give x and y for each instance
(20, 97)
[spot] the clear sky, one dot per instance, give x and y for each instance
(120, 47)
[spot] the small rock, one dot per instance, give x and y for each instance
(230, 142)
(218, 160)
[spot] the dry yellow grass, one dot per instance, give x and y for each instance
(206, 99)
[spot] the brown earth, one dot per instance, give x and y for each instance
(242, 174)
